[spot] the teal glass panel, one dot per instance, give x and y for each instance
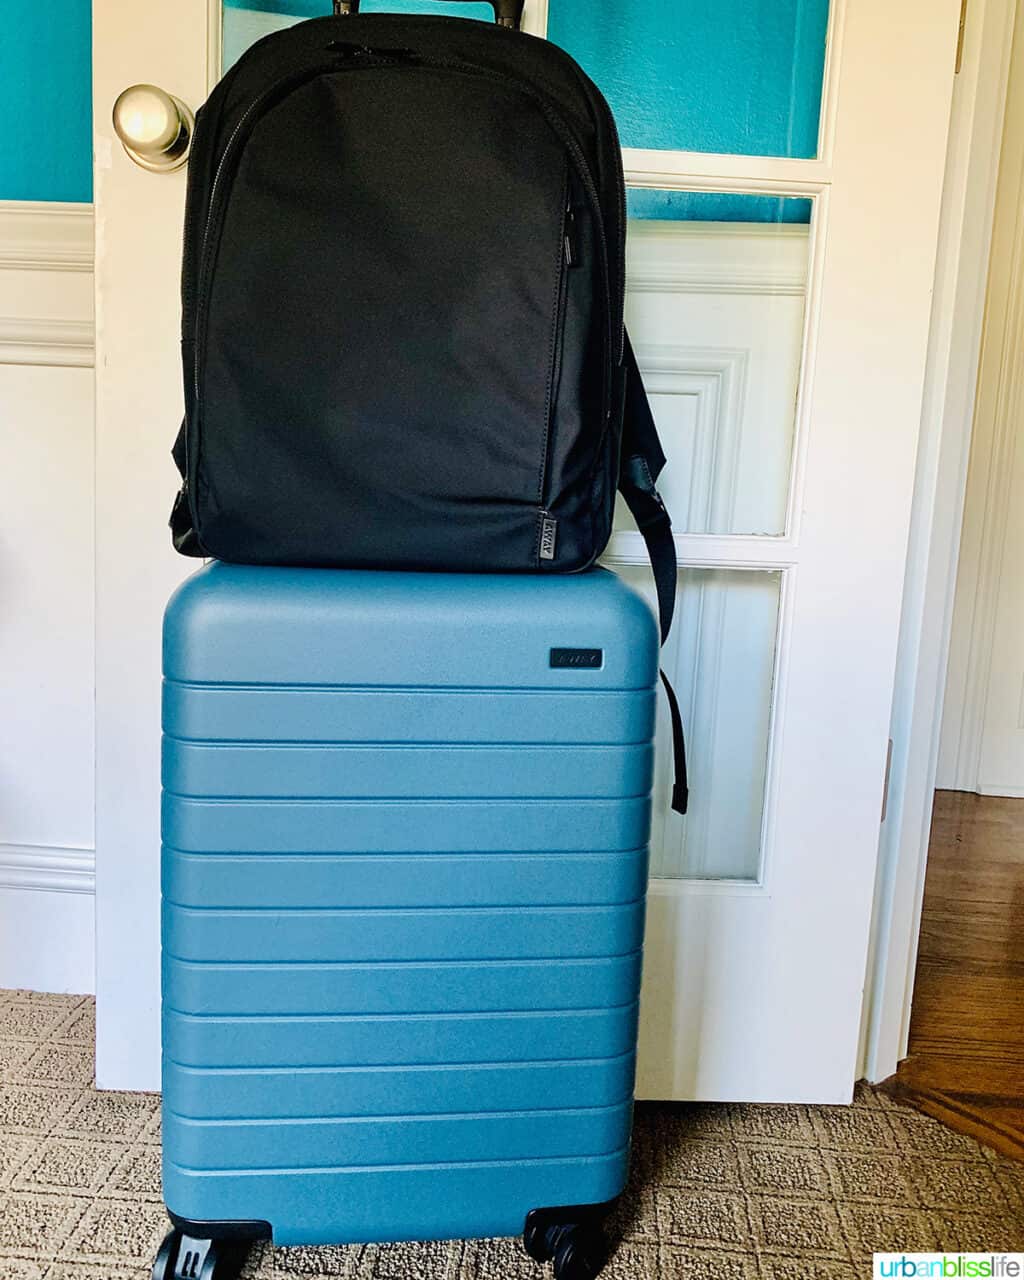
(455, 10)
(46, 100)
(246, 21)
(318, 8)
(714, 206)
(736, 76)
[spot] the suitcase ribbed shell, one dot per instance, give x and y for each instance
(404, 868)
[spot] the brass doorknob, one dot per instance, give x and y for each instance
(155, 128)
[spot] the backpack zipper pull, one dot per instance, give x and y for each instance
(571, 252)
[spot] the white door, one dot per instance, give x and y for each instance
(780, 314)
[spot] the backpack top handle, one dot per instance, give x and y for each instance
(507, 13)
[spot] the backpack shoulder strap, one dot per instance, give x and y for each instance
(642, 461)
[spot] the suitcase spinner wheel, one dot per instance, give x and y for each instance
(182, 1257)
(571, 1239)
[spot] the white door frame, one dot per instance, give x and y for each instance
(972, 705)
(957, 314)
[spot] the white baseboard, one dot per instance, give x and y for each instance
(47, 925)
(47, 940)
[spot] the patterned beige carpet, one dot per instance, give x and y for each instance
(730, 1192)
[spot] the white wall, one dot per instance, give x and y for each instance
(982, 745)
(46, 597)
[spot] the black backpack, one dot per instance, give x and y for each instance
(402, 308)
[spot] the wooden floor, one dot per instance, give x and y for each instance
(966, 1053)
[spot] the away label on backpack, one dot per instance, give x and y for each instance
(548, 533)
(589, 659)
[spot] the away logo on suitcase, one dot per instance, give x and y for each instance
(589, 659)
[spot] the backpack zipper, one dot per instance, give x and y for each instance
(570, 246)
(614, 298)
(568, 259)
(593, 95)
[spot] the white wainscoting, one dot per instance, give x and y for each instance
(47, 676)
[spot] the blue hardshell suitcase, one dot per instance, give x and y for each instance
(405, 827)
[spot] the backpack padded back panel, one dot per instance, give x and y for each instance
(402, 303)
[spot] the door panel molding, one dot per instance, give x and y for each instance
(715, 378)
(716, 257)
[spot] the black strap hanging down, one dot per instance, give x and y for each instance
(680, 783)
(642, 462)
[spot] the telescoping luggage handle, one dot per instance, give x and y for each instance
(507, 13)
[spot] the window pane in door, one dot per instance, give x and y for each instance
(246, 21)
(737, 76)
(720, 658)
(715, 306)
